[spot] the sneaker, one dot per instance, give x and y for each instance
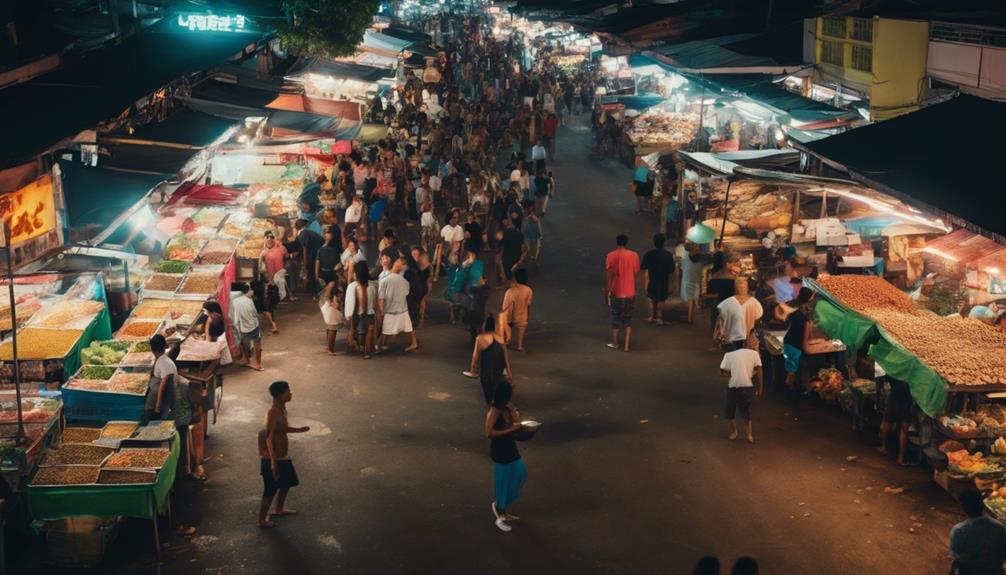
(503, 526)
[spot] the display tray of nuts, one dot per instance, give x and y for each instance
(66, 475)
(76, 454)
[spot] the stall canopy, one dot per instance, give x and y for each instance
(725, 163)
(944, 159)
(339, 69)
(161, 147)
(963, 246)
(62, 103)
(764, 90)
(409, 34)
(284, 111)
(383, 43)
(96, 196)
(718, 55)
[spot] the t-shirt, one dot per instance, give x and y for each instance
(422, 196)
(738, 319)
(244, 316)
(452, 233)
(162, 367)
(275, 259)
(328, 258)
(518, 300)
(515, 175)
(346, 257)
(376, 211)
(310, 241)
(784, 291)
(741, 364)
(354, 212)
(624, 263)
(982, 540)
(660, 264)
(796, 325)
(550, 126)
(538, 152)
(435, 183)
(394, 289)
(513, 240)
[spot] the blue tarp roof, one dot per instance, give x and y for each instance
(39, 113)
(96, 196)
(183, 126)
(379, 41)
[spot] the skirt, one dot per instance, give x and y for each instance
(394, 324)
(508, 479)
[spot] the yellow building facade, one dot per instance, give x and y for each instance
(876, 59)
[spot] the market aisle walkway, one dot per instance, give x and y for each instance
(632, 472)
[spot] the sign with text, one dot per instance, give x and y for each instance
(213, 22)
(29, 212)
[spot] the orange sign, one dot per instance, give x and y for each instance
(29, 212)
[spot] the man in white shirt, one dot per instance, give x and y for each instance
(354, 213)
(158, 401)
(244, 318)
(452, 235)
(742, 366)
(538, 154)
(392, 306)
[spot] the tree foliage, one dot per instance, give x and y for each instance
(325, 27)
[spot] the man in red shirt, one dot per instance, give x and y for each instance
(549, 129)
(621, 267)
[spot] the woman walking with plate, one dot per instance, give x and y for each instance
(509, 472)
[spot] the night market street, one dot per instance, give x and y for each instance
(632, 472)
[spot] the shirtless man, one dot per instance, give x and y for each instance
(277, 470)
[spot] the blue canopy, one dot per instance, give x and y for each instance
(96, 196)
(337, 69)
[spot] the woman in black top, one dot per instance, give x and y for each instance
(509, 473)
(266, 298)
(720, 285)
(797, 314)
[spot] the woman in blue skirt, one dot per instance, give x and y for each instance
(509, 473)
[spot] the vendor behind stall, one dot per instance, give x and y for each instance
(797, 314)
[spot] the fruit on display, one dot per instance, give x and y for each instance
(138, 457)
(201, 283)
(182, 247)
(38, 343)
(828, 383)
(163, 282)
(96, 372)
(172, 266)
(959, 424)
(962, 461)
(77, 454)
(138, 330)
(133, 383)
(863, 293)
(669, 129)
(66, 312)
(118, 429)
(125, 477)
(66, 475)
(104, 352)
(999, 446)
(80, 434)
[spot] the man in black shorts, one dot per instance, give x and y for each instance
(657, 266)
(897, 414)
(278, 473)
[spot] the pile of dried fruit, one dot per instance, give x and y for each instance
(80, 434)
(864, 293)
(125, 477)
(66, 475)
(201, 283)
(138, 457)
(37, 343)
(118, 430)
(163, 282)
(77, 454)
(138, 330)
(151, 308)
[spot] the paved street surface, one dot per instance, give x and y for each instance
(631, 473)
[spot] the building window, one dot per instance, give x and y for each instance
(862, 29)
(831, 53)
(833, 26)
(862, 59)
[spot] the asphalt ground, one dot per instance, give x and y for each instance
(631, 473)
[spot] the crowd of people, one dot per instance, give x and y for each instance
(456, 196)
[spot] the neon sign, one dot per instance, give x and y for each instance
(212, 22)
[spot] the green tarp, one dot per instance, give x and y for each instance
(858, 332)
(142, 501)
(99, 330)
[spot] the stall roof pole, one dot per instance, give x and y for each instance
(20, 438)
(726, 207)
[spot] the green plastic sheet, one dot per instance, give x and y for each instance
(856, 331)
(142, 501)
(928, 389)
(99, 330)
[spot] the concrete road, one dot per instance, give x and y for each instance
(632, 472)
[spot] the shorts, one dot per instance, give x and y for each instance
(287, 477)
(396, 323)
(363, 323)
(738, 401)
(792, 356)
(326, 277)
(621, 312)
(899, 404)
(508, 269)
(250, 338)
(657, 291)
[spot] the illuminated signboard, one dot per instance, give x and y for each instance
(29, 212)
(212, 22)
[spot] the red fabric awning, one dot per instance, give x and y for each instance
(192, 193)
(301, 103)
